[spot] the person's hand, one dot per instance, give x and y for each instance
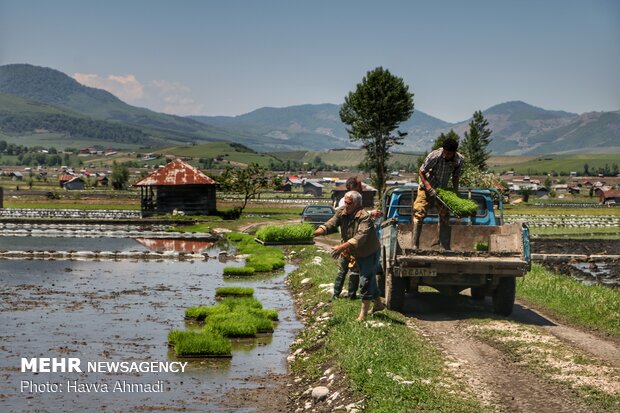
(375, 213)
(335, 253)
(431, 192)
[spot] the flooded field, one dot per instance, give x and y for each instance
(115, 311)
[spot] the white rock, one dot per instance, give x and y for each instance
(305, 281)
(319, 393)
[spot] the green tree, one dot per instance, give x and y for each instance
(442, 138)
(119, 176)
(476, 141)
(249, 181)
(373, 111)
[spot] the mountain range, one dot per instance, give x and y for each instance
(33, 95)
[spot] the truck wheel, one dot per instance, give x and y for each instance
(394, 291)
(477, 293)
(504, 296)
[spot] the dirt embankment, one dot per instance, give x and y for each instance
(576, 246)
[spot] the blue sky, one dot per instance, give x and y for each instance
(231, 57)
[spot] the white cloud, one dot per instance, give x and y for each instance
(126, 88)
(159, 95)
(177, 98)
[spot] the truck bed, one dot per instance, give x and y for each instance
(505, 255)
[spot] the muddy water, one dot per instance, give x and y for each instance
(123, 311)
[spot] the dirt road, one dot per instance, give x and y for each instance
(525, 363)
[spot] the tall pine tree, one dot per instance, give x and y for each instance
(476, 141)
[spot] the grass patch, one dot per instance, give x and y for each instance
(203, 343)
(460, 206)
(234, 291)
(393, 367)
(286, 233)
(590, 306)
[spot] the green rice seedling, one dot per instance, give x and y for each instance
(203, 343)
(244, 271)
(173, 336)
(262, 323)
(267, 261)
(234, 291)
(269, 313)
(286, 233)
(235, 303)
(460, 206)
(262, 259)
(199, 313)
(235, 324)
(481, 246)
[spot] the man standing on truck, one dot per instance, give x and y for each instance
(360, 240)
(438, 167)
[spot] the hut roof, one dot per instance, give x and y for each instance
(176, 172)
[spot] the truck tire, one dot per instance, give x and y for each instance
(394, 291)
(504, 296)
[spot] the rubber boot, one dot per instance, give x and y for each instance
(377, 305)
(364, 310)
(444, 232)
(416, 231)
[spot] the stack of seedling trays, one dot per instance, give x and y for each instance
(294, 234)
(237, 315)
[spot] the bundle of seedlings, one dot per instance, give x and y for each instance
(481, 246)
(239, 271)
(201, 312)
(234, 292)
(460, 206)
(239, 324)
(282, 234)
(199, 344)
(261, 258)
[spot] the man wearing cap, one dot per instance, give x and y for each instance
(439, 166)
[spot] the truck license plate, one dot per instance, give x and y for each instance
(418, 272)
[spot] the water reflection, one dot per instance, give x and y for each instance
(174, 245)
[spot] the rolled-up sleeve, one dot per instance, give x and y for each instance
(332, 224)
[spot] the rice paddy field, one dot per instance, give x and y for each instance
(123, 311)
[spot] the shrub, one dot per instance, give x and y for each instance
(283, 233)
(460, 206)
(238, 271)
(234, 291)
(203, 343)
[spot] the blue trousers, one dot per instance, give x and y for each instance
(368, 276)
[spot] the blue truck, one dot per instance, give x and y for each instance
(483, 254)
